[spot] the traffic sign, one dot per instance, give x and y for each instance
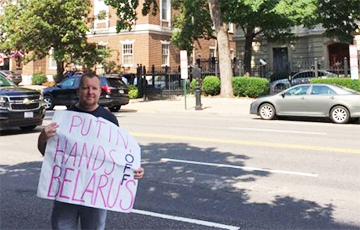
(2, 59)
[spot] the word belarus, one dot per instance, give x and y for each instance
(90, 162)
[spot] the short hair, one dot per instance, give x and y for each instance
(88, 75)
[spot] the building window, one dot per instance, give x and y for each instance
(230, 28)
(165, 10)
(165, 54)
(127, 52)
(101, 13)
(212, 52)
(52, 62)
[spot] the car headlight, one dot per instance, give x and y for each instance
(4, 103)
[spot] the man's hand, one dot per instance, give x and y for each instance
(46, 133)
(139, 173)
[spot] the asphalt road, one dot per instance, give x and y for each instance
(212, 172)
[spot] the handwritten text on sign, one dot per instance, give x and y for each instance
(90, 162)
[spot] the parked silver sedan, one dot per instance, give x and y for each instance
(338, 103)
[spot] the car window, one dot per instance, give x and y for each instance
(298, 90)
(69, 82)
(5, 82)
(304, 75)
(115, 82)
(322, 90)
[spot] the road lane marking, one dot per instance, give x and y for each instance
(244, 142)
(184, 219)
(279, 131)
(241, 167)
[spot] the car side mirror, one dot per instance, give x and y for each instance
(283, 95)
(59, 85)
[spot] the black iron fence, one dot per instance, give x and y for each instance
(165, 81)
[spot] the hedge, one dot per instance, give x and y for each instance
(250, 86)
(133, 92)
(38, 79)
(346, 82)
(211, 85)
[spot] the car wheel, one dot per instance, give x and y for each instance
(48, 102)
(28, 128)
(115, 108)
(267, 111)
(339, 114)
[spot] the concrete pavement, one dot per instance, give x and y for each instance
(209, 105)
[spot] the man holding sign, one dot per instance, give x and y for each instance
(90, 163)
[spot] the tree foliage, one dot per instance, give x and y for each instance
(126, 11)
(191, 24)
(339, 18)
(269, 19)
(38, 26)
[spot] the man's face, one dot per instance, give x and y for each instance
(89, 93)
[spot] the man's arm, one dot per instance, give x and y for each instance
(46, 133)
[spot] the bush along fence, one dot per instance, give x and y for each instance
(164, 82)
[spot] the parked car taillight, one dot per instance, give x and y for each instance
(107, 89)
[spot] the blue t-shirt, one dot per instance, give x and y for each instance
(98, 112)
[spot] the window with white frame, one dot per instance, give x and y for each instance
(212, 52)
(165, 53)
(165, 10)
(52, 62)
(230, 28)
(127, 53)
(101, 13)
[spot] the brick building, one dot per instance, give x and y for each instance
(148, 43)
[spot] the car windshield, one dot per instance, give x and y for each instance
(5, 82)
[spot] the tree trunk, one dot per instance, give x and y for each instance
(249, 37)
(59, 71)
(223, 47)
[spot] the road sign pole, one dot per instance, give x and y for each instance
(184, 70)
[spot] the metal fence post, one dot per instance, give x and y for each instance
(240, 68)
(346, 66)
(216, 67)
(153, 76)
(143, 72)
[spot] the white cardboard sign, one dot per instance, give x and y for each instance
(90, 162)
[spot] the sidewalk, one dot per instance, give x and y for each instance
(209, 105)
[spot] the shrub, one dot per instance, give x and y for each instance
(211, 85)
(193, 85)
(346, 82)
(133, 92)
(38, 79)
(250, 86)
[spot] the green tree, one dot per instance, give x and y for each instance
(191, 24)
(37, 26)
(221, 30)
(269, 19)
(339, 18)
(204, 14)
